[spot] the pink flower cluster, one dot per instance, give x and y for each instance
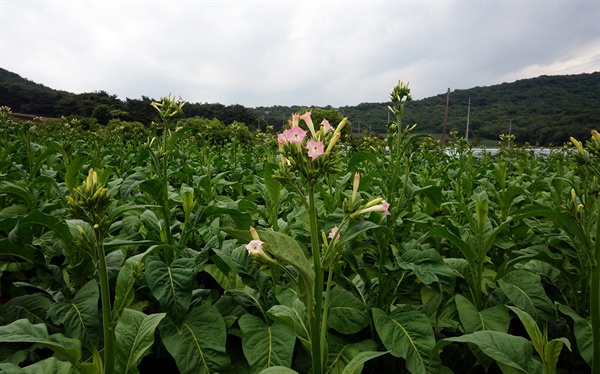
(296, 135)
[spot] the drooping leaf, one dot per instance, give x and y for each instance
(73, 172)
(51, 365)
(134, 336)
(407, 333)
(32, 306)
(265, 346)
(287, 248)
(495, 318)
(198, 344)
(582, 329)
(524, 289)
(506, 349)
(23, 331)
(347, 314)
(80, 315)
(172, 285)
(345, 357)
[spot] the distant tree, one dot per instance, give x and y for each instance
(102, 114)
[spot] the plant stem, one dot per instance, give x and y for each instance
(595, 300)
(315, 320)
(107, 323)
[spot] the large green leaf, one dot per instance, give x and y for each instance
(345, 357)
(278, 370)
(287, 248)
(198, 345)
(266, 346)
(134, 336)
(292, 312)
(347, 314)
(495, 318)
(51, 365)
(512, 351)
(73, 172)
(32, 306)
(524, 289)
(125, 288)
(582, 329)
(23, 331)
(172, 285)
(80, 315)
(408, 333)
(462, 245)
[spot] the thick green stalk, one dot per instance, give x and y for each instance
(595, 300)
(315, 320)
(107, 323)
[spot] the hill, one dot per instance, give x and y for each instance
(543, 110)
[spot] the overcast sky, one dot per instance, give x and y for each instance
(311, 53)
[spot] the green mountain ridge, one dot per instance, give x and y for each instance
(541, 111)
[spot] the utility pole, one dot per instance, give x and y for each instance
(445, 120)
(468, 114)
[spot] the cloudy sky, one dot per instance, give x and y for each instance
(264, 53)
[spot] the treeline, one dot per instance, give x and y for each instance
(27, 97)
(539, 111)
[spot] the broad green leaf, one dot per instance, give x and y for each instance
(172, 285)
(125, 288)
(242, 220)
(23, 331)
(552, 351)
(198, 345)
(292, 312)
(495, 318)
(356, 365)
(73, 172)
(582, 329)
(532, 329)
(80, 315)
(130, 183)
(34, 307)
(463, 246)
(134, 336)
(287, 248)
(510, 350)
(347, 314)
(524, 289)
(342, 353)
(231, 281)
(361, 156)
(51, 365)
(155, 188)
(278, 370)
(19, 190)
(265, 346)
(187, 201)
(407, 333)
(272, 185)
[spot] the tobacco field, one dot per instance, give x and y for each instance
(294, 252)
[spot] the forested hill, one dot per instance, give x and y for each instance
(542, 110)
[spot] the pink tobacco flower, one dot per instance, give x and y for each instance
(309, 123)
(382, 206)
(295, 120)
(334, 233)
(326, 126)
(255, 248)
(295, 134)
(282, 138)
(315, 149)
